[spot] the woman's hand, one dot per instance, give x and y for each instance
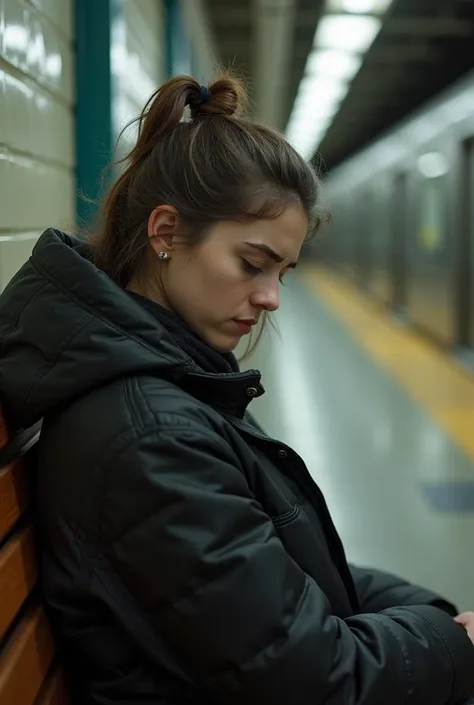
(466, 620)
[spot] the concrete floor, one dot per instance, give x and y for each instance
(384, 464)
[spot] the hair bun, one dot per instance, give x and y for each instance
(225, 96)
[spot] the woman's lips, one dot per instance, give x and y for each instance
(244, 326)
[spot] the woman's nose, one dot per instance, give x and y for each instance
(267, 297)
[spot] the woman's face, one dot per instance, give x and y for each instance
(221, 286)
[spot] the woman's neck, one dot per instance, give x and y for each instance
(149, 290)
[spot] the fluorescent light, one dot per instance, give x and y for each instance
(339, 64)
(306, 133)
(307, 145)
(347, 32)
(339, 43)
(309, 112)
(359, 6)
(322, 89)
(308, 125)
(433, 165)
(303, 120)
(317, 102)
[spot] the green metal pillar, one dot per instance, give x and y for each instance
(178, 49)
(96, 22)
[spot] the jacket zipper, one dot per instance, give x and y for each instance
(316, 497)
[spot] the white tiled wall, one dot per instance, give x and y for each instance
(197, 25)
(140, 68)
(37, 161)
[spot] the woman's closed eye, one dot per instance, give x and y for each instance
(251, 268)
(254, 270)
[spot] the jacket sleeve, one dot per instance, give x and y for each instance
(186, 538)
(378, 591)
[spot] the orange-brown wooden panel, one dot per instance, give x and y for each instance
(13, 496)
(4, 436)
(25, 660)
(18, 574)
(54, 691)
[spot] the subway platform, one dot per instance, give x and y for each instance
(385, 423)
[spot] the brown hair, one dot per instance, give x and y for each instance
(214, 165)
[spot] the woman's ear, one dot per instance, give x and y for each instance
(162, 228)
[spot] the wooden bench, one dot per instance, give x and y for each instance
(29, 670)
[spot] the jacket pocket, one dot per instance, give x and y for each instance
(288, 517)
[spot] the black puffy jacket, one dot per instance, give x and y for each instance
(187, 557)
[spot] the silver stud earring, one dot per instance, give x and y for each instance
(163, 255)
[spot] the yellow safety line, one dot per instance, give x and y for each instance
(426, 373)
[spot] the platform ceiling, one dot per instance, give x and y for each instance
(423, 46)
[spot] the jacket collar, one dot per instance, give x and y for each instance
(213, 377)
(66, 328)
(229, 393)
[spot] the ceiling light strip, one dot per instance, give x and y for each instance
(345, 32)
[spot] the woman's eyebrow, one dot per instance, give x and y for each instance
(271, 253)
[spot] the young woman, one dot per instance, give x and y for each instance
(187, 556)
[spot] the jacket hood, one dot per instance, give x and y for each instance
(67, 328)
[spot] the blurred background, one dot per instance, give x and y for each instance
(370, 369)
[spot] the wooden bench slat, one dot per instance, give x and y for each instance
(18, 574)
(4, 435)
(29, 672)
(13, 496)
(54, 691)
(25, 662)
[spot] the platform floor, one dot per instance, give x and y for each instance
(385, 424)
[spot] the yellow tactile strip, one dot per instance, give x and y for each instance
(428, 375)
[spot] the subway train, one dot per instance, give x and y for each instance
(403, 220)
